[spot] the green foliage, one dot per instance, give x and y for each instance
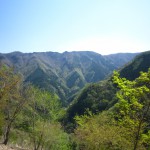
(124, 126)
(95, 97)
(146, 139)
(45, 135)
(46, 105)
(132, 110)
(101, 132)
(49, 136)
(29, 116)
(11, 98)
(39, 119)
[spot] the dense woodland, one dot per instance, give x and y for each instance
(64, 74)
(112, 114)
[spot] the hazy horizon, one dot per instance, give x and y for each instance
(105, 27)
(70, 52)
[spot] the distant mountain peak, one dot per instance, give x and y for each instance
(64, 73)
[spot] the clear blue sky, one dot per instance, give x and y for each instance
(103, 26)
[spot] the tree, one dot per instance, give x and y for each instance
(125, 125)
(132, 110)
(41, 116)
(100, 132)
(12, 99)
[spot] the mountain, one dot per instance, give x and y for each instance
(64, 73)
(95, 97)
(120, 59)
(140, 63)
(101, 96)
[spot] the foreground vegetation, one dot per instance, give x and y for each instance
(125, 125)
(33, 118)
(29, 116)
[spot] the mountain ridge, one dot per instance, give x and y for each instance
(132, 69)
(100, 96)
(63, 73)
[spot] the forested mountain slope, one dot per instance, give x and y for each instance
(100, 96)
(63, 73)
(140, 63)
(120, 59)
(30, 117)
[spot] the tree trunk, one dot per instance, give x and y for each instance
(139, 127)
(137, 135)
(6, 134)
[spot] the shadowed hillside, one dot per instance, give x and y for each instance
(133, 69)
(101, 96)
(64, 73)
